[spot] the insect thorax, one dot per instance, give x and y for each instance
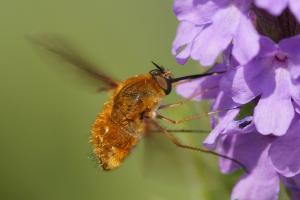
(138, 99)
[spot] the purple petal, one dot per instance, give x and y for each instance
(295, 93)
(222, 102)
(211, 140)
(267, 47)
(295, 8)
(244, 146)
(293, 185)
(294, 68)
(203, 88)
(186, 33)
(237, 86)
(246, 41)
(217, 36)
(244, 83)
(290, 46)
(297, 107)
(228, 58)
(274, 111)
(197, 11)
(262, 183)
(228, 143)
(275, 7)
(284, 152)
(228, 147)
(273, 116)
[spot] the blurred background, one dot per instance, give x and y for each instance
(46, 112)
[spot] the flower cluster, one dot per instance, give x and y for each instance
(261, 79)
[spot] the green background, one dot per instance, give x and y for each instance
(46, 113)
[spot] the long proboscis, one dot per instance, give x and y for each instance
(60, 48)
(195, 76)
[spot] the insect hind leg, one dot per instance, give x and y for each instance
(175, 141)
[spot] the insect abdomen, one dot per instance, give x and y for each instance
(111, 143)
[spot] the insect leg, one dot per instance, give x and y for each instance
(183, 131)
(180, 103)
(189, 118)
(195, 94)
(192, 117)
(173, 139)
(172, 105)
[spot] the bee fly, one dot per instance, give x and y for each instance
(131, 108)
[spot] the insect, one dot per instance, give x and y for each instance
(131, 110)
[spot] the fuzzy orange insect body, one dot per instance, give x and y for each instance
(120, 125)
(124, 119)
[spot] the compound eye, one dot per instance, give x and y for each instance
(163, 83)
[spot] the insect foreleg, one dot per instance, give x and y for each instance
(189, 118)
(180, 103)
(172, 105)
(192, 117)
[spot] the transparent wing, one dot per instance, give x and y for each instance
(64, 51)
(162, 161)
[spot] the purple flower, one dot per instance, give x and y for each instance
(277, 7)
(267, 158)
(209, 88)
(273, 75)
(207, 27)
(258, 73)
(227, 112)
(284, 152)
(251, 148)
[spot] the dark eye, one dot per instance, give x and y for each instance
(163, 83)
